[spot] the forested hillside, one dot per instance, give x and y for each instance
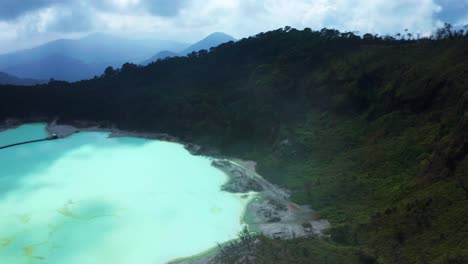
(370, 131)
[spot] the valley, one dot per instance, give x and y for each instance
(370, 132)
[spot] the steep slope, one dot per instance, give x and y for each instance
(208, 42)
(13, 80)
(371, 132)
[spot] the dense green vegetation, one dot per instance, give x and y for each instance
(370, 131)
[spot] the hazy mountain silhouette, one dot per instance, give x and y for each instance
(210, 41)
(369, 130)
(161, 55)
(90, 55)
(57, 67)
(73, 60)
(10, 79)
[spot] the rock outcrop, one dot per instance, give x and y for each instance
(272, 213)
(239, 180)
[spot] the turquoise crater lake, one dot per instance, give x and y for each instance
(93, 199)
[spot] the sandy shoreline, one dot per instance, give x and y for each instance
(270, 213)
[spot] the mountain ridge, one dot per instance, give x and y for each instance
(93, 50)
(56, 67)
(160, 56)
(210, 41)
(371, 132)
(8, 79)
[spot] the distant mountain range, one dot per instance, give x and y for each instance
(56, 67)
(208, 42)
(160, 56)
(73, 60)
(10, 79)
(95, 48)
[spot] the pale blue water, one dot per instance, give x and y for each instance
(90, 199)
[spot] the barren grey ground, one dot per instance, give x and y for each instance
(271, 213)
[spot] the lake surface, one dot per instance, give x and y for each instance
(92, 199)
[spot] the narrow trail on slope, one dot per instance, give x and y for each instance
(274, 214)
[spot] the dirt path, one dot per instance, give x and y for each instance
(271, 213)
(274, 214)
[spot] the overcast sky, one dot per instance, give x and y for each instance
(25, 23)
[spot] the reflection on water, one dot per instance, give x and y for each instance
(91, 199)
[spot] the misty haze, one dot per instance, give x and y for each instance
(233, 131)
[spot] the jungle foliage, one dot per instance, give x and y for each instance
(371, 131)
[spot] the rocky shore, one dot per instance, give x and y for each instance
(271, 213)
(70, 128)
(12, 123)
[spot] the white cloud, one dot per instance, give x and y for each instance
(244, 18)
(189, 20)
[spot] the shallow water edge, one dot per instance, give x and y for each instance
(267, 209)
